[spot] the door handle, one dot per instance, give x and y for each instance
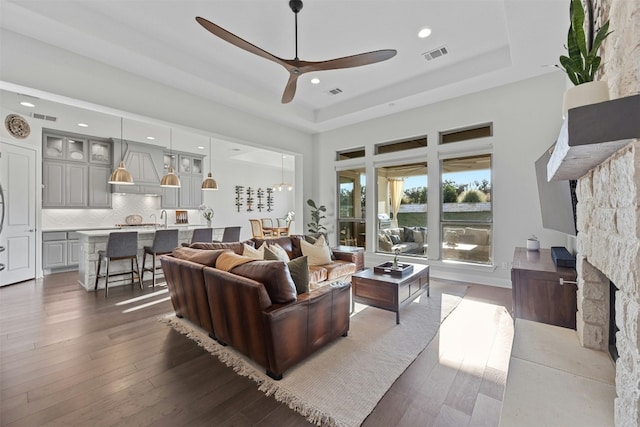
(1, 267)
(1, 248)
(31, 230)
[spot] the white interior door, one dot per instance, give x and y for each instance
(18, 235)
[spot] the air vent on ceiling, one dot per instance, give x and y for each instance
(43, 117)
(335, 91)
(437, 53)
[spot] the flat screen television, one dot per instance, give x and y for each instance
(557, 199)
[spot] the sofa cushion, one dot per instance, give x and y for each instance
(475, 236)
(299, 269)
(395, 239)
(286, 242)
(252, 252)
(275, 277)
(418, 236)
(317, 274)
(318, 253)
(227, 261)
(205, 257)
(237, 247)
(338, 269)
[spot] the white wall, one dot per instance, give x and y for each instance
(526, 118)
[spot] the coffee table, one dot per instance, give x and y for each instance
(389, 292)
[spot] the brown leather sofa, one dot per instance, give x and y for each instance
(255, 309)
(342, 266)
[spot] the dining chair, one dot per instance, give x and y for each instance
(204, 235)
(257, 230)
(283, 222)
(164, 242)
(267, 222)
(120, 246)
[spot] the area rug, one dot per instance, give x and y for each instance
(341, 384)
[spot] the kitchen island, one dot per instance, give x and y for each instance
(92, 241)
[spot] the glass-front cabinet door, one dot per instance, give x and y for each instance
(76, 149)
(169, 161)
(185, 164)
(100, 152)
(196, 166)
(53, 148)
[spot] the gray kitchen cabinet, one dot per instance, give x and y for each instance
(99, 188)
(60, 249)
(188, 167)
(65, 184)
(75, 171)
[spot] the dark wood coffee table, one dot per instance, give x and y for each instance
(389, 292)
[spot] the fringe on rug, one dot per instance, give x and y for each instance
(266, 385)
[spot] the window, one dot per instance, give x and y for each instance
(350, 154)
(351, 207)
(402, 209)
(466, 214)
(464, 134)
(392, 147)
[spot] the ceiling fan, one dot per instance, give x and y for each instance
(295, 66)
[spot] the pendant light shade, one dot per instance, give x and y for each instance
(209, 183)
(283, 185)
(170, 180)
(121, 175)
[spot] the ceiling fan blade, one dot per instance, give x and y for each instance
(290, 89)
(350, 61)
(237, 41)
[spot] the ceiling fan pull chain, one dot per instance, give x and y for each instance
(296, 15)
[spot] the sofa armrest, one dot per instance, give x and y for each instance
(355, 256)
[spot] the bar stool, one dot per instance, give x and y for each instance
(119, 246)
(231, 234)
(164, 242)
(201, 235)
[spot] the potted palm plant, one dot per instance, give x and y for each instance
(582, 60)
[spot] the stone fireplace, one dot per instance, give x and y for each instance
(608, 222)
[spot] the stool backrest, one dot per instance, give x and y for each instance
(122, 244)
(204, 235)
(256, 228)
(165, 241)
(231, 234)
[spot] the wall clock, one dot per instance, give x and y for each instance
(17, 126)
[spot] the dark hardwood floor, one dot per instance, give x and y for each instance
(71, 357)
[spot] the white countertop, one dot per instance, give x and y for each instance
(140, 230)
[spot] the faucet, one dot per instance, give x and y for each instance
(163, 214)
(153, 218)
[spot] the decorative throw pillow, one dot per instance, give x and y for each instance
(408, 234)
(299, 269)
(279, 251)
(253, 252)
(227, 261)
(313, 239)
(206, 257)
(395, 239)
(418, 237)
(318, 253)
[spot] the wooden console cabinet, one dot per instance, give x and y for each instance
(537, 292)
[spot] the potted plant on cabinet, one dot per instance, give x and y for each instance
(582, 61)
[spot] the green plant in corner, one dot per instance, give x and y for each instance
(582, 61)
(316, 215)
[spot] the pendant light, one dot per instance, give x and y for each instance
(209, 183)
(121, 175)
(170, 180)
(283, 185)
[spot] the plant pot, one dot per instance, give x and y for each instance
(585, 94)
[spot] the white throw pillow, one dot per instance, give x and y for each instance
(318, 253)
(253, 252)
(280, 252)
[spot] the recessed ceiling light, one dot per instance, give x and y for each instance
(83, 125)
(315, 80)
(200, 147)
(425, 32)
(27, 104)
(150, 138)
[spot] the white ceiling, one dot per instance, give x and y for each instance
(490, 43)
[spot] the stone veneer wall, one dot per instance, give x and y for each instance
(608, 217)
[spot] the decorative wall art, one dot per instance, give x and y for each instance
(260, 194)
(269, 199)
(250, 192)
(239, 191)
